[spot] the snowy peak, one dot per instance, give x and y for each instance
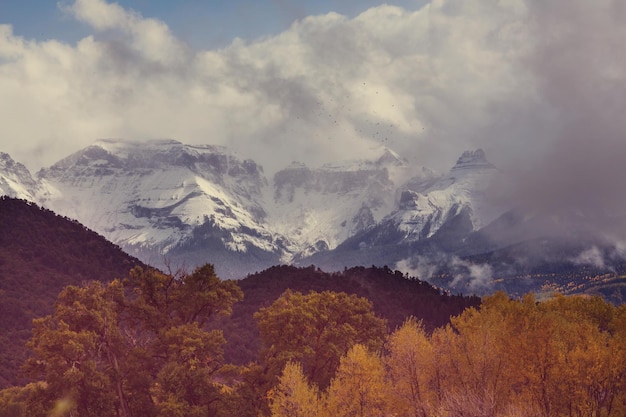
(389, 157)
(159, 154)
(318, 208)
(156, 197)
(427, 205)
(472, 160)
(15, 179)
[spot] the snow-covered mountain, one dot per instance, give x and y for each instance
(426, 207)
(423, 211)
(317, 209)
(432, 214)
(163, 200)
(167, 202)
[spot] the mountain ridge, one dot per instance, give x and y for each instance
(164, 198)
(188, 205)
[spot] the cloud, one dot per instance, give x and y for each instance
(466, 276)
(475, 277)
(422, 82)
(579, 72)
(150, 38)
(421, 267)
(538, 84)
(592, 256)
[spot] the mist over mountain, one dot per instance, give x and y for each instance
(164, 201)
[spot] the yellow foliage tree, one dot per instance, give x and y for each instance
(359, 387)
(293, 396)
(316, 330)
(411, 368)
(475, 376)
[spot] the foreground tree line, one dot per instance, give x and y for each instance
(146, 346)
(562, 357)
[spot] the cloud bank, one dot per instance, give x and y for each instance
(422, 82)
(538, 84)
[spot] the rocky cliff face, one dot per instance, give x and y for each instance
(15, 179)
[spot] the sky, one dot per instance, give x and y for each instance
(538, 84)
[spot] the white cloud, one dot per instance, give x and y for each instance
(328, 88)
(592, 256)
(150, 37)
(430, 83)
(466, 275)
(102, 15)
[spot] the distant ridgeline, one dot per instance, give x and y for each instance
(395, 297)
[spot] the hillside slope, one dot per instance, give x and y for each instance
(394, 296)
(40, 253)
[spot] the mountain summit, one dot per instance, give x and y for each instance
(163, 199)
(472, 160)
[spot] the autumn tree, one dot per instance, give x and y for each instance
(359, 387)
(592, 363)
(560, 357)
(474, 361)
(168, 313)
(132, 348)
(78, 350)
(294, 396)
(411, 368)
(316, 330)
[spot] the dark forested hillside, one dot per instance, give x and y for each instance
(40, 253)
(394, 296)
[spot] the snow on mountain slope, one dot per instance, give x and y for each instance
(152, 196)
(422, 213)
(15, 179)
(162, 199)
(319, 208)
(449, 207)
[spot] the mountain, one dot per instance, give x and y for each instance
(167, 200)
(458, 198)
(432, 215)
(40, 253)
(170, 203)
(317, 209)
(195, 204)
